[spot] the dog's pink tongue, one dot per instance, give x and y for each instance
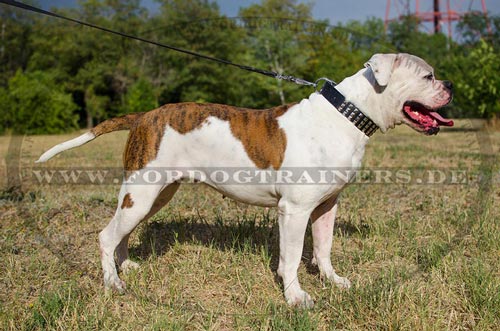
(441, 120)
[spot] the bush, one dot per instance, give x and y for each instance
(36, 104)
(480, 87)
(4, 100)
(140, 97)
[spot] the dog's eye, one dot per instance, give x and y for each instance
(429, 76)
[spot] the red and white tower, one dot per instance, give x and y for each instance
(439, 12)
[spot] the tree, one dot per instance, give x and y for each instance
(140, 97)
(475, 26)
(104, 75)
(15, 49)
(406, 37)
(341, 51)
(279, 45)
(480, 84)
(4, 110)
(36, 104)
(97, 68)
(93, 81)
(193, 25)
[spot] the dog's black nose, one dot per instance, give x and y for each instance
(448, 84)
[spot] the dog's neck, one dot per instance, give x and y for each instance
(348, 109)
(375, 102)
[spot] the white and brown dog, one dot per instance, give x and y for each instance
(318, 132)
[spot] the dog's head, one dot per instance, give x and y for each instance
(415, 93)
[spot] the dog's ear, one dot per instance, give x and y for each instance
(381, 66)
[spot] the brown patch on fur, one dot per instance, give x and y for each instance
(124, 122)
(127, 201)
(258, 130)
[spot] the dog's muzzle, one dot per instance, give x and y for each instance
(424, 119)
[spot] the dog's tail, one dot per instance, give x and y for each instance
(114, 124)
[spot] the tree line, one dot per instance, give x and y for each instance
(57, 76)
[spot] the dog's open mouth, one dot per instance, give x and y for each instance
(424, 119)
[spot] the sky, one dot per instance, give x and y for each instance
(334, 10)
(344, 10)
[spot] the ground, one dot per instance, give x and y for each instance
(420, 256)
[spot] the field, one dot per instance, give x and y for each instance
(420, 256)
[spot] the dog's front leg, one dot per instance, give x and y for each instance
(292, 228)
(323, 220)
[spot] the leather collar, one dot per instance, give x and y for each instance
(348, 109)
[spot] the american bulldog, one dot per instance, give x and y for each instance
(329, 129)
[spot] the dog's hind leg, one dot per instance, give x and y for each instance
(323, 219)
(163, 198)
(136, 203)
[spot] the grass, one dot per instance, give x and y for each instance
(420, 257)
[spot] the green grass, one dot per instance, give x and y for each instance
(420, 257)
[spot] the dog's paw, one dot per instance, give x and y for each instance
(341, 282)
(116, 284)
(314, 262)
(128, 265)
(300, 299)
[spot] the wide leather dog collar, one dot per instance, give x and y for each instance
(348, 109)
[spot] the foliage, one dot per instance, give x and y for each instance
(279, 47)
(407, 38)
(36, 104)
(480, 88)
(105, 75)
(475, 26)
(16, 28)
(4, 113)
(140, 96)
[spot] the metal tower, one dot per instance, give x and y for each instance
(438, 14)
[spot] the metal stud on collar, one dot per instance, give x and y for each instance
(346, 108)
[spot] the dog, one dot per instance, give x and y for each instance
(330, 128)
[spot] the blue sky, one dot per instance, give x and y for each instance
(333, 10)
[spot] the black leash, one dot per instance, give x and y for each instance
(268, 73)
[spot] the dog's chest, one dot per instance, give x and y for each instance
(316, 143)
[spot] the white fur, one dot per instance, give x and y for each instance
(78, 141)
(381, 65)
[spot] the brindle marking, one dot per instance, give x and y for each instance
(124, 122)
(127, 201)
(258, 130)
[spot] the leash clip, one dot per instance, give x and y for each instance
(326, 80)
